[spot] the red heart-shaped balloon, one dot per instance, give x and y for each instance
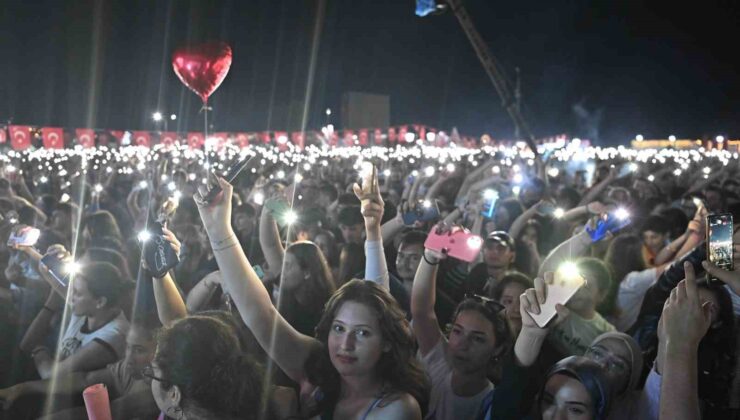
(202, 67)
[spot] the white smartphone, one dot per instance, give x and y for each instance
(560, 291)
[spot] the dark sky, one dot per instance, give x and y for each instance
(589, 68)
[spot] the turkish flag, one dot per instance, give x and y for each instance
(281, 140)
(196, 140)
(298, 138)
(378, 134)
(265, 137)
(362, 137)
(85, 137)
(20, 136)
(242, 139)
(53, 137)
(141, 138)
(3, 135)
(392, 134)
(168, 138)
(348, 138)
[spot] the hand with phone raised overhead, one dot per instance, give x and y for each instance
(216, 214)
(534, 301)
(730, 277)
(372, 205)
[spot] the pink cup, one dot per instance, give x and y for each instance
(97, 402)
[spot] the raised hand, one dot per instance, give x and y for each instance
(216, 215)
(371, 202)
(532, 298)
(685, 318)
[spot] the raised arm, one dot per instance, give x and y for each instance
(170, 306)
(202, 293)
(290, 349)
(594, 193)
(423, 297)
(270, 242)
(372, 208)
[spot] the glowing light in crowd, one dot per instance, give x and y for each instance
(259, 198)
(621, 213)
(171, 186)
(431, 136)
(490, 194)
(518, 178)
(98, 188)
(633, 167)
(173, 117)
(65, 198)
(144, 236)
(426, 204)
(496, 170)
(280, 174)
(72, 267)
(553, 172)
(10, 168)
(720, 139)
(651, 178)
(429, 171)
(639, 137)
(569, 270)
(143, 184)
(43, 180)
(671, 138)
(707, 170)
(177, 195)
(157, 116)
(558, 213)
(298, 178)
(328, 111)
(516, 189)
(409, 137)
(387, 172)
(475, 242)
(290, 217)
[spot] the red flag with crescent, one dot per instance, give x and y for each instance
(168, 138)
(53, 137)
(241, 139)
(298, 138)
(20, 136)
(85, 137)
(3, 135)
(196, 140)
(141, 138)
(118, 135)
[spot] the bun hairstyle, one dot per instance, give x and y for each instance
(203, 357)
(504, 339)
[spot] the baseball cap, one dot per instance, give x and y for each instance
(501, 237)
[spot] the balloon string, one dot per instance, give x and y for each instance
(205, 110)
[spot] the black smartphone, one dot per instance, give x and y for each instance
(719, 242)
(58, 268)
(230, 176)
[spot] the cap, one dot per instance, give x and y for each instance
(501, 237)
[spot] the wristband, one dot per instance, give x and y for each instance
(226, 247)
(222, 241)
(38, 350)
(423, 255)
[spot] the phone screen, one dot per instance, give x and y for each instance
(57, 269)
(719, 241)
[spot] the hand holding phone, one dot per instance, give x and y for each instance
(60, 268)
(611, 222)
(457, 243)
(423, 211)
(230, 176)
(490, 197)
(23, 235)
(720, 249)
(557, 289)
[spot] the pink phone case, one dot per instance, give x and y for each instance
(25, 236)
(458, 243)
(561, 291)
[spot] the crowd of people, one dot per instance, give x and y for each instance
(307, 289)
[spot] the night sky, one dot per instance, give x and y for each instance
(595, 69)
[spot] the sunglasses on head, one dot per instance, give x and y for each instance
(489, 303)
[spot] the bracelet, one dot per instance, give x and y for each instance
(226, 247)
(217, 243)
(423, 255)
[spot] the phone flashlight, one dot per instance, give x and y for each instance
(144, 236)
(475, 242)
(72, 267)
(98, 188)
(290, 217)
(569, 270)
(427, 204)
(621, 213)
(558, 213)
(143, 184)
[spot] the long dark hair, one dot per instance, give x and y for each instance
(202, 356)
(398, 368)
(320, 282)
(623, 256)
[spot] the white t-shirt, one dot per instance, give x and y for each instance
(629, 298)
(111, 335)
(443, 403)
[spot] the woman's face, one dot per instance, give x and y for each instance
(510, 299)
(472, 342)
(355, 340)
(530, 235)
(83, 303)
(615, 358)
(566, 398)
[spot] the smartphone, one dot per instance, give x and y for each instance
(458, 243)
(546, 209)
(230, 176)
(490, 197)
(719, 242)
(57, 269)
(424, 212)
(613, 222)
(24, 236)
(560, 291)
